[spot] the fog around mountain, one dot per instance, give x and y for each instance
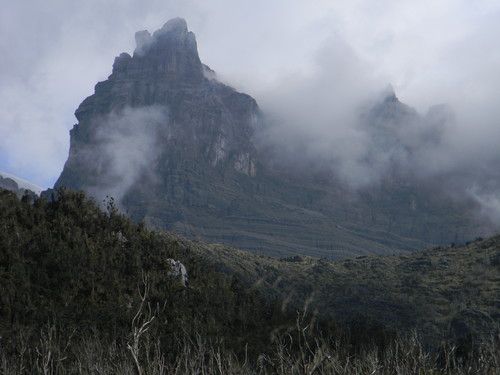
(431, 53)
(180, 150)
(311, 71)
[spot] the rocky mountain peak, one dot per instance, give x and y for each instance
(173, 113)
(170, 53)
(176, 148)
(175, 25)
(389, 94)
(173, 34)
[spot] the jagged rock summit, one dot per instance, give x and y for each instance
(171, 53)
(198, 122)
(176, 148)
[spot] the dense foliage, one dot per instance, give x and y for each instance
(69, 263)
(85, 290)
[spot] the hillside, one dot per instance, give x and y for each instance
(442, 292)
(69, 262)
(179, 150)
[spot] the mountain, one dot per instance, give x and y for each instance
(177, 149)
(203, 121)
(18, 185)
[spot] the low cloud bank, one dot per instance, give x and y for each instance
(343, 119)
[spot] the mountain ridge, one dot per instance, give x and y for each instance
(197, 169)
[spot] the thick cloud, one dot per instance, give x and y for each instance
(318, 61)
(124, 149)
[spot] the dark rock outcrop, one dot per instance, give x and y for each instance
(10, 184)
(204, 120)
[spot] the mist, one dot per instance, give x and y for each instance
(126, 145)
(314, 68)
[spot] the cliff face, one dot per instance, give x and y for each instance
(175, 148)
(196, 120)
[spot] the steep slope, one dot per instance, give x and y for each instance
(70, 265)
(176, 149)
(68, 262)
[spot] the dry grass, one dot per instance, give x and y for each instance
(295, 352)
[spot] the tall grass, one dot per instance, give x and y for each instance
(295, 352)
(298, 349)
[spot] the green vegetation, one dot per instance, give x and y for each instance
(69, 263)
(87, 291)
(445, 292)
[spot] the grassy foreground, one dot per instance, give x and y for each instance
(294, 353)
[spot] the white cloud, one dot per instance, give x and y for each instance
(431, 51)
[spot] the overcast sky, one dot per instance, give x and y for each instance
(431, 51)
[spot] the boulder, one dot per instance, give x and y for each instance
(178, 271)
